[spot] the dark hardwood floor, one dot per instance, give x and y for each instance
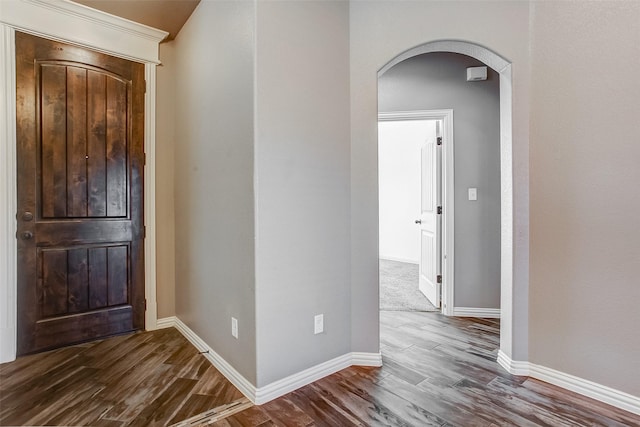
(437, 371)
(141, 379)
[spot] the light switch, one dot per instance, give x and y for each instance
(473, 194)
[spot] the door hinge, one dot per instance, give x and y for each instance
(144, 231)
(439, 278)
(144, 159)
(439, 211)
(439, 140)
(145, 86)
(145, 305)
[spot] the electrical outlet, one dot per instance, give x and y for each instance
(234, 327)
(318, 324)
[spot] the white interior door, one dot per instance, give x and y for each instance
(430, 221)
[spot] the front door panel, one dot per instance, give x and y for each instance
(80, 180)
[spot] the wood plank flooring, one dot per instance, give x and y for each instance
(438, 371)
(141, 379)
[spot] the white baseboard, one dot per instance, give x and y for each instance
(281, 387)
(587, 388)
(167, 322)
(492, 313)
(366, 359)
(260, 395)
(514, 367)
(235, 377)
(405, 260)
(295, 381)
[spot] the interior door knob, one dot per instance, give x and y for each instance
(418, 221)
(27, 235)
(27, 216)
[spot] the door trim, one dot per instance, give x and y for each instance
(8, 200)
(446, 115)
(92, 30)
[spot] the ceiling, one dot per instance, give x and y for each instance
(167, 15)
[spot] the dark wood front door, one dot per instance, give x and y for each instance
(80, 122)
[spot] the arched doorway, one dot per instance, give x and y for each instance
(503, 68)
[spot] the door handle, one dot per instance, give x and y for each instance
(27, 235)
(418, 221)
(27, 216)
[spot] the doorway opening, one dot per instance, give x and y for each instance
(416, 210)
(406, 88)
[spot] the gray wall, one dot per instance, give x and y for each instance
(438, 81)
(214, 210)
(165, 155)
(302, 191)
(585, 204)
(276, 263)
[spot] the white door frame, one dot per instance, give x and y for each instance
(510, 291)
(446, 116)
(72, 23)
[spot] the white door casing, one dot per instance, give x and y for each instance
(430, 218)
(445, 117)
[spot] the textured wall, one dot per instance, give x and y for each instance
(585, 148)
(214, 209)
(302, 185)
(165, 153)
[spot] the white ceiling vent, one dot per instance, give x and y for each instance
(475, 74)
